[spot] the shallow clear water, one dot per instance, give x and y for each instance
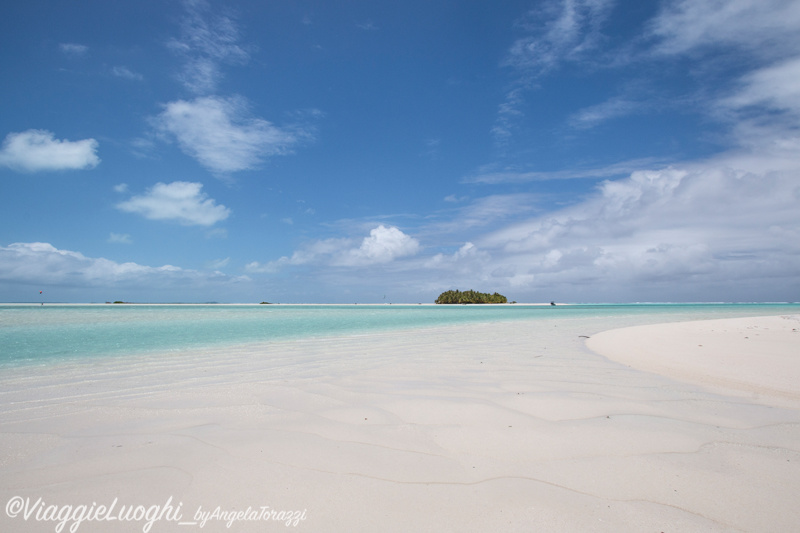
(32, 334)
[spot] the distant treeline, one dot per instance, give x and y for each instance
(470, 297)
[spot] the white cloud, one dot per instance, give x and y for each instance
(432, 148)
(120, 238)
(222, 135)
(217, 233)
(616, 107)
(465, 262)
(126, 73)
(367, 26)
(73, 49)
(42, 264)
(39, 150)
(207, 41)
(776, 87)
(485, 212)
(508, 113)
(558, 32)
(721, 229)
(180, 200)
(220, 132)
(744, 31)
(455, 199)
(256, 267)
(382, 245)
(489, 176)
(218, 264)
(764, 27)
(764, 104)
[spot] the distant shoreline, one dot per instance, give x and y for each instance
(109, 304)
(381, 304)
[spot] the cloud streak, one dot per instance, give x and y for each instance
(555, 32)
(762, 27)
(558, 32)
(622, 169)
(207, 41)
(126, 73)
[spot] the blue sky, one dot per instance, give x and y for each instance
(308, 151)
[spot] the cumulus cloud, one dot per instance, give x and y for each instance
(222, 134)
(39, 150)
(181, 201)
(382, 245)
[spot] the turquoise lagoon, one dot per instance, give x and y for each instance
(42, 334)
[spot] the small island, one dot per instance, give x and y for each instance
(470, 297)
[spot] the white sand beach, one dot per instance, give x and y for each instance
(514, 426)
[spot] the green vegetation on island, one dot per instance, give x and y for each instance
(470, 297)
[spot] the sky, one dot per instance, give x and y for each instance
(306, 151)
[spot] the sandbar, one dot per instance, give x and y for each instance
(757, 356)
(508, 426)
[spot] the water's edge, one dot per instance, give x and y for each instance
(34, 334)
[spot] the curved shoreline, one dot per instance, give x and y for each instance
(756, 356)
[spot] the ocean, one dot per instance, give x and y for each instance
(50, 333)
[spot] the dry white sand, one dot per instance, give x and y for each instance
(757, 357)
(495, 427)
